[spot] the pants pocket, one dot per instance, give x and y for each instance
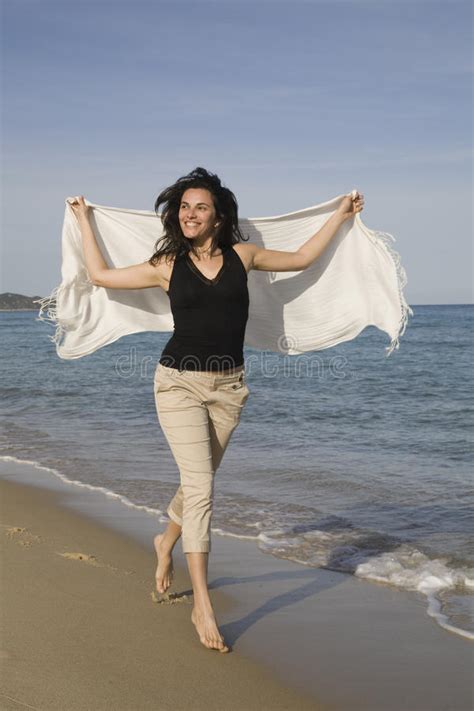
(234, 395)
(234, 384)
(162, 381)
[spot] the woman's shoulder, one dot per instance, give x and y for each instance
(245, 251)
(165, 266)
(165, 262)
(245, 247)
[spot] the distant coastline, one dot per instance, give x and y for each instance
(18, 302)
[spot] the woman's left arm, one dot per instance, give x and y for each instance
(272, 260)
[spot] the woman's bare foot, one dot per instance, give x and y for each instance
(206, 626)
(165, 570)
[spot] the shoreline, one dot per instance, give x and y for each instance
(311, 638)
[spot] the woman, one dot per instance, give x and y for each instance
(202, 262)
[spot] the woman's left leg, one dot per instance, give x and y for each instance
(165, 542)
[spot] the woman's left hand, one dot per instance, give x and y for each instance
(351, 205)
(79, 207)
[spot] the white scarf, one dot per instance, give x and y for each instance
(356, 282)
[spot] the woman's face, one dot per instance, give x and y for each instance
(197, 215)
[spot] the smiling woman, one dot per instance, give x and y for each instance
(201, 261)
(199, 215)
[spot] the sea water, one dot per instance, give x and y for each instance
(343, 459)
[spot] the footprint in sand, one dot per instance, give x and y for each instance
(84, 557)
(169, 598)
(21, 535)
(92, 560)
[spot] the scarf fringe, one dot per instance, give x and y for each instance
(386, 239)
(48, 313)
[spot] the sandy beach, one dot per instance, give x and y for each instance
(82, 629)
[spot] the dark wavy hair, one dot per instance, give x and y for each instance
(173, 241)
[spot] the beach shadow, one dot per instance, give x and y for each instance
(349, 552)
(317, 582)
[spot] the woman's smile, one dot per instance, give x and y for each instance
(197, 215)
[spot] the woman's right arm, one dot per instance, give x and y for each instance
(137, 276)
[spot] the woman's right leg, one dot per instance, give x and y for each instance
(164, 544)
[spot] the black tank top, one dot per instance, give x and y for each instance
(210, 315)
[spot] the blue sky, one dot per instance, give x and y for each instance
(290, 102)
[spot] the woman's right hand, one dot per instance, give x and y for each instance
(79, 207)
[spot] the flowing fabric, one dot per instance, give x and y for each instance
(356, 282)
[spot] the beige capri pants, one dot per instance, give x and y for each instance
(198, 411)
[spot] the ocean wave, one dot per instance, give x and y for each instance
(374, 557)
